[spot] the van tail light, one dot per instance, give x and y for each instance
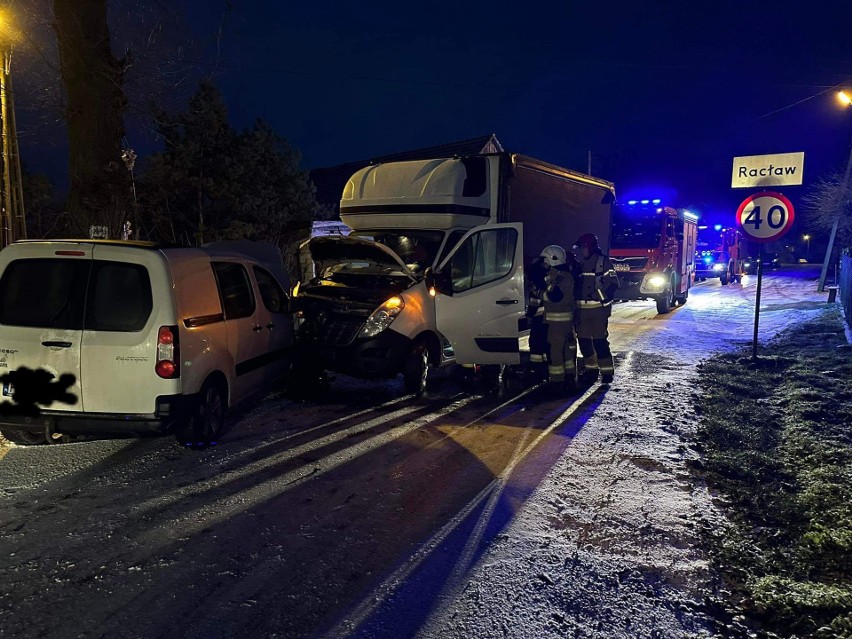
(168, 353)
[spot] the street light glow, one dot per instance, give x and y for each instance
(8, 33)
(844, 98)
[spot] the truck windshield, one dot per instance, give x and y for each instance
(416, 248)
(635, 229)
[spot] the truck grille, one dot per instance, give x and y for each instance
(622, 264)
(339, 331)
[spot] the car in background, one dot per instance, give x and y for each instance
(771, 262)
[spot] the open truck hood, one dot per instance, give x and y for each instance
(328, 250)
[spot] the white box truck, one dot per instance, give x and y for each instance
(433, 270)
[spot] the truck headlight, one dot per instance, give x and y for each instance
(382, 317)
(718, 267)
(656, 281)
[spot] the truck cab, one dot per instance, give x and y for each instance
(652, 250)
(432, 272)
(725, 259)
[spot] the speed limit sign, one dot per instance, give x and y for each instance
(765, 216)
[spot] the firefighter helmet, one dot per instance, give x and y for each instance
(554, 255)
(588, 240)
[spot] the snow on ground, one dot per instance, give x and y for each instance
(608, 545)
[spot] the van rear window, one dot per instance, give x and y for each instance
(119, 297)
(75, 294)
(46, 293)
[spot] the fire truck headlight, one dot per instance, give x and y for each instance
(718, 267)
(382, 317)
(656, 281)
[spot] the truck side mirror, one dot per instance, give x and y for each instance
(437, 282)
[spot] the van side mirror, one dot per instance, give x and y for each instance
(438, 282)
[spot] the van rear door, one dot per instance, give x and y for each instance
(42, 303)
(120, 331)
(481, 312)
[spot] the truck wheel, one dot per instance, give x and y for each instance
(665, 301)
(23, 437)
(205, 426)
(416, 368)
(681, 299)
(724, 278)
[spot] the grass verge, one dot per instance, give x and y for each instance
(775, 438)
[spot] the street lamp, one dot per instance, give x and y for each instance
(807, 238)
(845, 98)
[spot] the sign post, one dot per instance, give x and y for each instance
(763, 217)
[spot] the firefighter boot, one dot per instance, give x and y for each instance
(606, 378)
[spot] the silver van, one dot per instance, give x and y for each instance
(148, 339)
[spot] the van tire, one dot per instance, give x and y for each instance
(416, 368)
(205, 426)
(23, 437)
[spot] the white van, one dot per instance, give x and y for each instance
(156, 339)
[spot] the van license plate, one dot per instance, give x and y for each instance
(8, 389)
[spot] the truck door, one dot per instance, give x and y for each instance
(481, 299)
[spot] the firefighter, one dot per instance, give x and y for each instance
(535, 312)
(596, 288)
(558, 301)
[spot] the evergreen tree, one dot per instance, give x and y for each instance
(210, 183)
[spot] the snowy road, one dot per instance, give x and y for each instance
(377, 515)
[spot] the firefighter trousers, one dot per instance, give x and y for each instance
(538, 339)
(562, 358)
(592, 335)
(596, 356)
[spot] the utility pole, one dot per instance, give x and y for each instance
(840, 205)
(12, 201)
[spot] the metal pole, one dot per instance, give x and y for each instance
(17, 179)
(757, 300)
(4, 140)
(841, 200)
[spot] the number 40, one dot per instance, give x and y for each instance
(776, 216)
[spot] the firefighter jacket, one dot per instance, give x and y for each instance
(558, 295)
(597, 282)
(536, 275)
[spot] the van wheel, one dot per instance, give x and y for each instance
(23, 437)
(416, 368)
(205, 426)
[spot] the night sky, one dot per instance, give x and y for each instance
(663, 94)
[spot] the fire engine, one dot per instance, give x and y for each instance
(653, 250)
(725, 260)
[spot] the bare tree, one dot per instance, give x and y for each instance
(827, 201)
(102, 63)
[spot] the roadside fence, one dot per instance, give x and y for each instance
(846, 284)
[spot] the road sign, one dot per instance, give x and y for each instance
(780, 169)
(765, 216)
